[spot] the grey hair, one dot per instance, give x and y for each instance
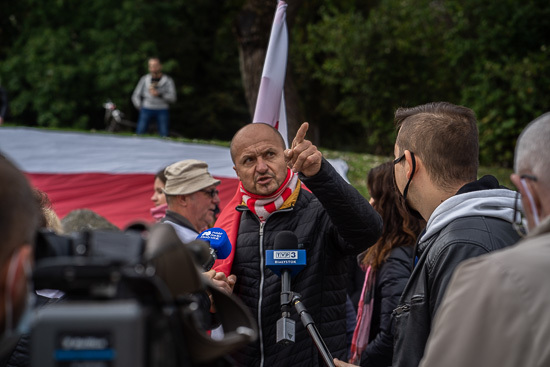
(533, 149)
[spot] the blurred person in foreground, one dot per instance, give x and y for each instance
(330, 222)
(152, 97)
(495, 312)
(19, 221)
(435, 166)
(386, 268)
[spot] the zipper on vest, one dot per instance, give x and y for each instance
(260, 297)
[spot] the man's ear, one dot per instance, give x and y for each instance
(183, 199)
(527, 207)
(236, 171)
(409, 159)
(16, 282)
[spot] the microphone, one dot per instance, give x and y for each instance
(286, 260)
(220, 246)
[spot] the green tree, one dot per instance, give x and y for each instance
(67, 57)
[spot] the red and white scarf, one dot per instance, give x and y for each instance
(263, 206)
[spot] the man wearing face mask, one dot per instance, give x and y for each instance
(19, 216)
(435, 169)
(495, 312)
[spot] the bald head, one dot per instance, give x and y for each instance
(257, 151)
(532, 150)
(254, 133)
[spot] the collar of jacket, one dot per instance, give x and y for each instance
(178, 219)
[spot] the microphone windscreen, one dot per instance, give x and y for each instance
(218, 240)
(285, 240)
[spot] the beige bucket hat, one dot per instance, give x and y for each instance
(188, 176)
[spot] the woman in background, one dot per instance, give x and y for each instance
(387, 266)
(158, 197)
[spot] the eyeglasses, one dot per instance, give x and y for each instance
(397, 160)
(519, 219)
(212, 193)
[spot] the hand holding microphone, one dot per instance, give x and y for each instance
(220, 247)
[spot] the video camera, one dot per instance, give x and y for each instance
(131, 302)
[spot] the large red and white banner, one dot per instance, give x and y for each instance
(111, 175)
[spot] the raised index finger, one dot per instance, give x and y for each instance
(300, 135)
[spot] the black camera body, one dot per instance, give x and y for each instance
(128, 302)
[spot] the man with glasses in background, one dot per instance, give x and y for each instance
(495, 312)
(193, 202)
(436, 171)
(192, 198)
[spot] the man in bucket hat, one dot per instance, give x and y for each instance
(193, 200)
(191, 196)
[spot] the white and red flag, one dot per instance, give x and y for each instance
(270, 109)
(270, 105)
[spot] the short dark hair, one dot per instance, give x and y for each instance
(444, 136)
(19, 211)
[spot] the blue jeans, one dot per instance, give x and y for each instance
(162, 117)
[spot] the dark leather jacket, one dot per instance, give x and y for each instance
(335, 222)
(470, 226)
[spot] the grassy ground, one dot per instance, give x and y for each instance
(359, 163)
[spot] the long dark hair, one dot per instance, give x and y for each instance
(400, 228)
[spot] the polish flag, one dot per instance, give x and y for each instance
(270, 109)
(270, 106)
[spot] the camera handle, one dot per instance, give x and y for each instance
(285, 325)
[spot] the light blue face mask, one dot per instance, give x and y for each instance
(24, 323)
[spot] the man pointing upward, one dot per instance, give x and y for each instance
(331, 221)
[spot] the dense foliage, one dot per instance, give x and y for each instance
(354, 63)
(65, 58)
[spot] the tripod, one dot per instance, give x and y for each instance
(286, 327)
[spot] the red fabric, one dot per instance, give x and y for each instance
(229, 220)
(120, 198)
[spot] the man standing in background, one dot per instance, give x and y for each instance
(152, 97)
